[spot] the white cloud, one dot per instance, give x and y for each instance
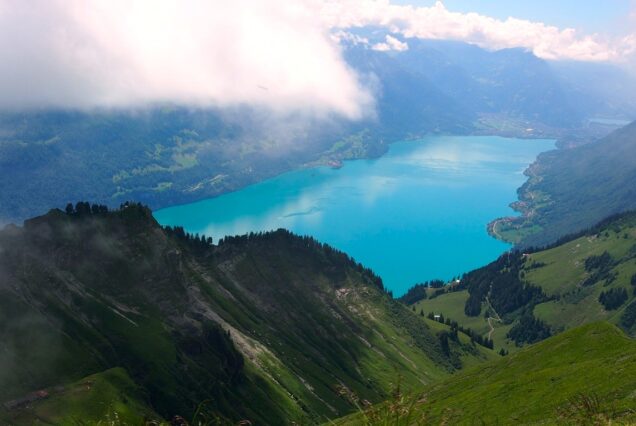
(280, 54)
(390, 43)
(86, 53)
(437, 22)
(339, 36)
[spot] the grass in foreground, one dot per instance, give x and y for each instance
(583, 376)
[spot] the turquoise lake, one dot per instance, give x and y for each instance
(417, 213)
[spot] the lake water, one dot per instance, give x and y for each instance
(417, 213)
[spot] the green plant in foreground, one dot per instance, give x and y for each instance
(584, 409)
(205, 417)
(401, 409)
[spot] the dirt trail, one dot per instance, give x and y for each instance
(492, 328)
(490, 318)
(493, 229)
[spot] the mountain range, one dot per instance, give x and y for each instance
(166, 154)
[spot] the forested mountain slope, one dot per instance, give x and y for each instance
(263, 327)
(572, 189)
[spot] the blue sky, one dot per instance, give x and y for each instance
(603, 16)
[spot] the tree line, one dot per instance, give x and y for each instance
(196, 241)
(501, 281)
(305, 242)
(455, 328)
(84, 208)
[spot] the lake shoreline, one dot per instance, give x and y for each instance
(420, 201)
(373, 151)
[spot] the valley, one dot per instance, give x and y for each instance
(568, 285)
(133, 313)
(108, 316)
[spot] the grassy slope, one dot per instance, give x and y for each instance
(540, 384)
(112, 396)
(595, 359)
(478, 355)
(108, 397)
(451, 305)
(561, 277)
(564, 271)
(394, 340)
